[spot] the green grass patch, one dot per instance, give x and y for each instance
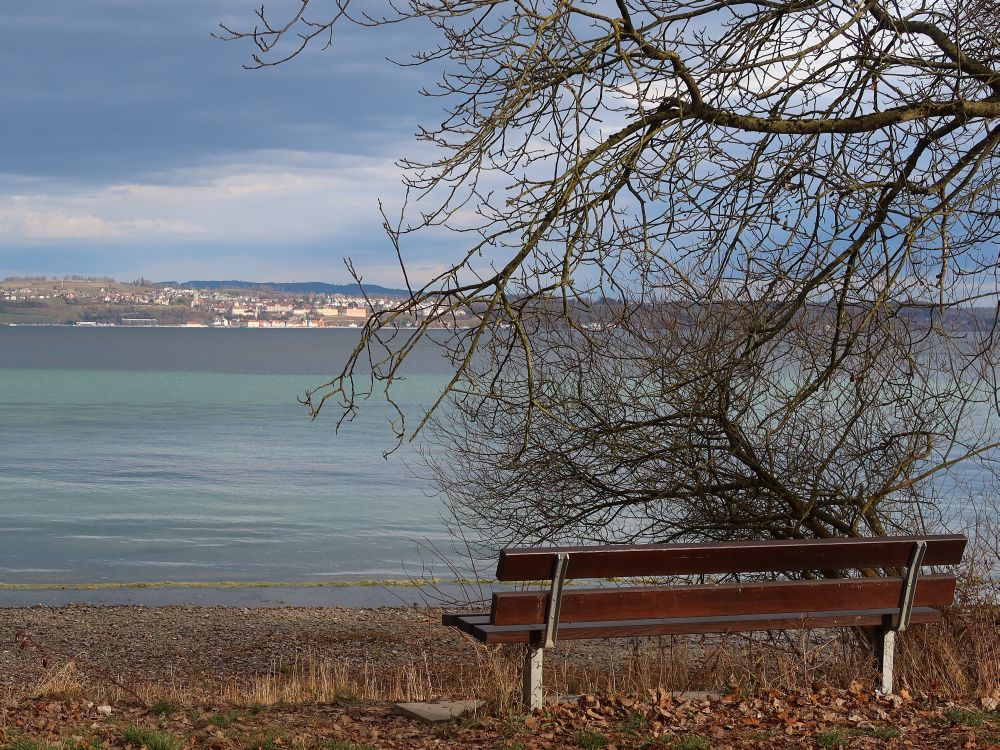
(634, 725)
(513, 726)
(221, 720)
(881, 733)
(25, 743)
(152, 739)
(345, 745)
(833, 739)
(842, 736)
(971, 718)
(692, 742)
(163, 708)
(590, 740)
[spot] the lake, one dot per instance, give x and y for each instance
(183, 455)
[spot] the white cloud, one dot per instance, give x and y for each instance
(272, 196)
(31, 219)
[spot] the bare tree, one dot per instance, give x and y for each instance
(654, 430)
(784, 203)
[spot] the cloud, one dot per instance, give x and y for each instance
(257, 197)
(30, 220)
(139, 146)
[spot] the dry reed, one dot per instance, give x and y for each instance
(61, 681)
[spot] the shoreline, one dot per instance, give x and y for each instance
(230, 595)
(330, 583)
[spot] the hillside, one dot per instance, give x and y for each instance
(292, 287)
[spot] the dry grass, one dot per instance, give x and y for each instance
(957, 658)
(310, 680)
(62, 681)
(961, 655)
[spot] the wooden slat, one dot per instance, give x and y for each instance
(693, 625)
(532, 564)
(468, 623)
(632, 603)
(452, 618)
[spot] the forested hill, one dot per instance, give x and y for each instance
(296, 287)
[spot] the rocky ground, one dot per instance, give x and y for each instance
(207, 651)
(199, 647)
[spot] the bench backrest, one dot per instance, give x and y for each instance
(624, 561)
(593, 605)
(731, 599)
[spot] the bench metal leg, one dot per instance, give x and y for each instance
(532, 689)
(886, 654)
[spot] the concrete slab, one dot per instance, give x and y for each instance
(562, 700)
(441, 711)
(698, 695)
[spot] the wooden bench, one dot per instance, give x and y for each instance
(890, 594)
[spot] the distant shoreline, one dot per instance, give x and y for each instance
(236, 594)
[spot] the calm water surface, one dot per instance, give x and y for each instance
(183, 455)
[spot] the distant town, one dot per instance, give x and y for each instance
(92, 302)
(89, 301)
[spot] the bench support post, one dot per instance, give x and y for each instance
(910, 584)
(555, 598)
(887, 641)
(532, 677)
(886, 654)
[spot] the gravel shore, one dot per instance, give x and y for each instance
(192, 645)
(202, 649)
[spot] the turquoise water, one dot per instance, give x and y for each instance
(152, 455)
(183, 455)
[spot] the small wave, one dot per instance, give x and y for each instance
(214, 541)
(35, 570)
(164, 564)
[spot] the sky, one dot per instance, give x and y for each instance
(136, 145)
